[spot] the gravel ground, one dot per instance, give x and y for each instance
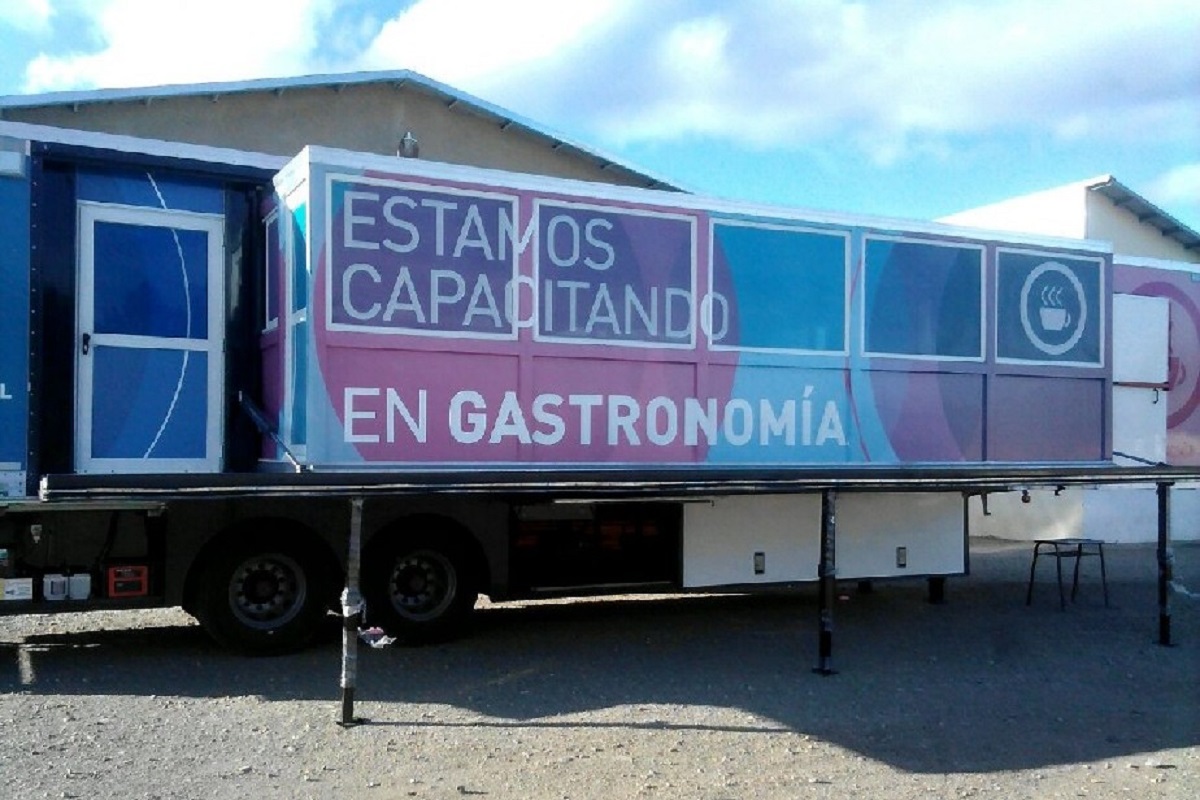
(689, 697)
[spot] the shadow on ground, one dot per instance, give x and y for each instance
(982, 683)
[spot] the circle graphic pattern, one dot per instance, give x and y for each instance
(1079, 324)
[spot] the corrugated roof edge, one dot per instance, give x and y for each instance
(505, 117)
(132, 144)
(1147, 213)
(159, 148)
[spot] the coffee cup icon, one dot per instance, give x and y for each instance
(1054, 319)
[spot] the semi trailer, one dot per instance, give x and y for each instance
(530, 387)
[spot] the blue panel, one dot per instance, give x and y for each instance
(147, 189)
(14, 319)
(300, 253)
(923, 299)
(788, 287)
(1048, 308)
(149, 403)
(151, 281)
(300, 383)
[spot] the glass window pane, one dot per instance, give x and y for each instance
(151, 280)
(149, 403)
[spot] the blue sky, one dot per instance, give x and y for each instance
(914, 108)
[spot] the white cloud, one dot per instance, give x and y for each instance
(463, 42)
(889, 76)
(25, 15)
(151, 42)
(892, 78)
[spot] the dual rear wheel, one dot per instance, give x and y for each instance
(421, 588)
(267, 594)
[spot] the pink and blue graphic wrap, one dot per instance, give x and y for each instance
(1182, 289)
(467, 324)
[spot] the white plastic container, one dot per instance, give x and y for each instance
(54, 586)
(80, 587)
(16, 588)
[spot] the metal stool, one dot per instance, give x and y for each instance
(1068, 548)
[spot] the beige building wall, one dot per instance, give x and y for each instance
(1129, 236)
(369, 118)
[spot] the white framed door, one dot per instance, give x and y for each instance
(1141, 344)
(150, 340)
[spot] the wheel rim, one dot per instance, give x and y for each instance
(422, 585)
(267, 591)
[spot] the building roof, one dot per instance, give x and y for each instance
(247, 160)
(1146, 212)
(453, 98)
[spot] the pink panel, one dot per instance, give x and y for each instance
(1035, 419)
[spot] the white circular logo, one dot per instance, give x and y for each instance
(1054, 315)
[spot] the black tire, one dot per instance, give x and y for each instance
(263, 595)
(421, 588)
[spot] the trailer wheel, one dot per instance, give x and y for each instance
(261, 597)
(421, 589)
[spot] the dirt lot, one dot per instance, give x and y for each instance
(695, 697)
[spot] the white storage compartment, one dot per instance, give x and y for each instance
(894, 535)
(764, 539)
(775, 539)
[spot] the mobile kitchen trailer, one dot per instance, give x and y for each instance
(541, 386)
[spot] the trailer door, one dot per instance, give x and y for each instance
(1141, 342)
(150, 340)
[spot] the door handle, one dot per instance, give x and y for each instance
(87, 343)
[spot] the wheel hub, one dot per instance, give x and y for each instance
(267, 591)
(423, 585)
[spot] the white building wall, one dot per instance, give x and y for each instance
(1055, 212)
(1121, 514)
(1075, 211)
